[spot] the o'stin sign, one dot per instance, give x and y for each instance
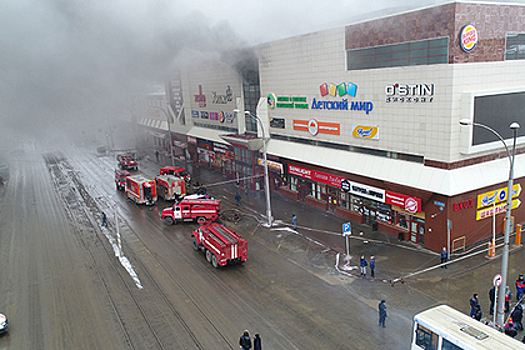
(468, 38)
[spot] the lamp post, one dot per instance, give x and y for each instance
(169, 133)
(266, 178)
(505, 254)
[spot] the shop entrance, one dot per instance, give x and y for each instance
(302, 190)
(331, 198)
(417, 231)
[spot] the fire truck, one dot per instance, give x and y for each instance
(120, 178)
(177, 171)
(200, 210)
(170, 187)
(141, 189)
(220, 245)
(127, 161)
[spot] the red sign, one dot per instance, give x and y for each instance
(464, 205)
(328, 179)
(410, 204)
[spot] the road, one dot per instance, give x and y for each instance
(66, 285)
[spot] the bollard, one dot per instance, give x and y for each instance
(518, 234)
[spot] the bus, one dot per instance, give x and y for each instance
(444, 328)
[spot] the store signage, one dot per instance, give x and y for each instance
(468, 38)
(191, 139)
(496, 209)
(409, 93)
(499, 195)
(200, 98)
(272, 165)
(219, 147)
(464, 205)
(277, 123)
(410, 204)
(214, 116)
(290, 102)
(222, 99)
(341, 90)
(227, 117)
(315, 127)
(205, 115)
(370, 132)
(194, 114)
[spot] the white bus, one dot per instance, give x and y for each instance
(444, 328)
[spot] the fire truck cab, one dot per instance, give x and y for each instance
(170, 187)
(120, 178)
(141, 189)
(175, 170)
(221, 245)
(127, 161)
(200, 210)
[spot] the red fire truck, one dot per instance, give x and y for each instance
(177, 171)
(141, 189)
(120, 178)
(127, 161)
(170, 187)
(221, 245)
(200, 210)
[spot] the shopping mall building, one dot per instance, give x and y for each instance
(364, 120)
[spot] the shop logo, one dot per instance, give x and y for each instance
(370, 132)
(341, 89)
(468, 38)
(272, 100)
(200, 98)
(315, 127)
(411, 205)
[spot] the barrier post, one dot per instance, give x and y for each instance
(492, 250)
(518, 234)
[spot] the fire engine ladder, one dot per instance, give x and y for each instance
(229, 236)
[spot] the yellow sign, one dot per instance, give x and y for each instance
(500, 208)
(366, 132)
(500, 195)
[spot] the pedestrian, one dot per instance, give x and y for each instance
(238, 198)
(257, 342)
(517, 316)
(510, 329)
(245, 342)
(372, 265)
(508, 298)
(520, 287)
(294, 221)
(492, 297)
(444, 257)
(363, 263)
(157, 155)
(478, 313)
(382, 313)
(474, 303)
(104, 220)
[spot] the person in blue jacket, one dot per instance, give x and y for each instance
(444, 257)
(372, 265)
(363, 263)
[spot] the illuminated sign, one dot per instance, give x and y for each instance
(468, 38)
(200, 98)
(315, 127)
(370, 132)
(499, 195)
(272, 165)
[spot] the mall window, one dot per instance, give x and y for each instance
(414, 53)
(515, 47)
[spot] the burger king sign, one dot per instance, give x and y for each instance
(468, 38)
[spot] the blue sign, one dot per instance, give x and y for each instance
(347, 228)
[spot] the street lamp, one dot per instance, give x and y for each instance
(266, 178)
(505, 254)
(169, 132)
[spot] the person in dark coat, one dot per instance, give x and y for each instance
(517, 316)
(474, 303)
(508, 298)
(520, 287)
(510, 329)
(238, 198)
(245, 342)
(363, 263)
(478, 313)
(257, 342)
(492, 297)
(104, 220)
(382, 313)
(444, 257)
(372, 265)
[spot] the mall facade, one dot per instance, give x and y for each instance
(364, 120)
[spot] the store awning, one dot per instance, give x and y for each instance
(207, 134)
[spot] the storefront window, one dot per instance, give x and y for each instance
(293, 183)
(384, 213)
(343, 201)
(401, 220)
(357, 204)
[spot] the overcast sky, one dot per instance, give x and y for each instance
(63, 61)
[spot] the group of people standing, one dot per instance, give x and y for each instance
(246, 342)
(363, 263)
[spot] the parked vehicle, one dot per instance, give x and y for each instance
(141, 189)
(127, 162)
(177, 171)
(170, 187)
(120, 179)
(3, 323)
(200, 210)
(221, 245)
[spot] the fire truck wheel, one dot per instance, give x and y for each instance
(208, 255)
(201, 220)
(195, 245)
(214, 262)
(168, 220)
